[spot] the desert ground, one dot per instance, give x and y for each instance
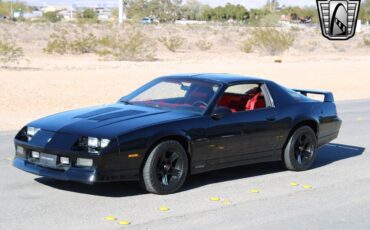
(43, 84)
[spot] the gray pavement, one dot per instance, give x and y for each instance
(339, 197)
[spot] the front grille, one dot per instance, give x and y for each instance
(47, 160)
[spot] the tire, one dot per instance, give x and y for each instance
(166, 168)
(300, 152)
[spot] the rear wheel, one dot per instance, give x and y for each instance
(300, 152)
(166, 168)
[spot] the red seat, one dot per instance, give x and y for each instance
(256, 102)
(260, 103)
(233, 101)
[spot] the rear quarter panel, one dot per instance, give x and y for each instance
(330, 123)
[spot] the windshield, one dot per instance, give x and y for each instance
(175, 94)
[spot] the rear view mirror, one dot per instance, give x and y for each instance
(220, 112)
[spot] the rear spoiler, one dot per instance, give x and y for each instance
(328, 96)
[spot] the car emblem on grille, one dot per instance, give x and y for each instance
(338, 18)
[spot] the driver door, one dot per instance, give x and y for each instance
(250, 131)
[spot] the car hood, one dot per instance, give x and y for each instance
(107, 121)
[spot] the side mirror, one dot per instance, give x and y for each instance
(220, 112)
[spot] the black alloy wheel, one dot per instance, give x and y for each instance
(300, 151)
(166, 168)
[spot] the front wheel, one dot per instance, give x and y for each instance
(166, 168)
(300, 151)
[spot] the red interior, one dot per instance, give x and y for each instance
(236, 102)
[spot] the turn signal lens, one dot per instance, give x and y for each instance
(19, 150)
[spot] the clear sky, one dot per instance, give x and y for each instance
(246, 3)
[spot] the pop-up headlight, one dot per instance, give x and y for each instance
(31, 131)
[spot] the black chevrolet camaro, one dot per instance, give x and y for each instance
(179, 125)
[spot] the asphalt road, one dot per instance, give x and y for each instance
(339, 197)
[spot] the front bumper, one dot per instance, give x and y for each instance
(83, 175)
(106, 167)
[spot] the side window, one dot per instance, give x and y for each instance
(243, 97)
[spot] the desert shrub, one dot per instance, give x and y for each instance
(312, 46)
(172, 43)
(269, 20)
(57, 43)
(272, 41)
(10, 51)
(85, 44)
(89, 14)
(295, 29)
(204, 45)
(52, 16)
(133, 46)
(247, 46)
(225, 37)
(367, 42)
(106, 41)
(339, 48)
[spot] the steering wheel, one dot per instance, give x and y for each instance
(199, 102)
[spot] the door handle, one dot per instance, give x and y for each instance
(272, 118)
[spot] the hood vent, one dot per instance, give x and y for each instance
(97, 112)
(119, 114)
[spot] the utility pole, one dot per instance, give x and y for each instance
(11, 10)
(120, 11)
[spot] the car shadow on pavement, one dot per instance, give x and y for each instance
(331, 153)
(111, 189)
(327, 154)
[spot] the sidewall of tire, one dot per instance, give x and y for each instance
(289, 154)
(149, 174)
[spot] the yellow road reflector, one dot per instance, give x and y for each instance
(294, 184)
(226, 202)
(110, 218)
(124, 222)
(215, 198)
(307, 186)
(255, 190)
(164, 209)
(359, 119)
(134, 155)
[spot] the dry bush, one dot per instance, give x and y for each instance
(10, 51)
(367, 42)
(247, 46)
(204, 45)
(133, 46)
(57, 43)
(312, 46)
(172, 43)
(62, 42)
(295, 29)
(272, 41)
(84, 44)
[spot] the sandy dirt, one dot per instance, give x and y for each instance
(52, 83)
(26, 95)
